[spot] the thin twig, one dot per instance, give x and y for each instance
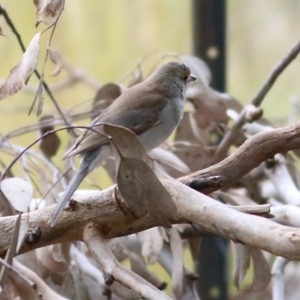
(230, 137)
(14, 270)
(53, 25)
(16, 158)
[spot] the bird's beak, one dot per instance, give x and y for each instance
(191, 78)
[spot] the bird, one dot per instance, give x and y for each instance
(151, 109)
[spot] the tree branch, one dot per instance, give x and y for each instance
(256, 101)
(105, 208)
(249, 155)
(97, 245)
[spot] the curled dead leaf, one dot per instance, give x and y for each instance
(209, 107)
(104, 97)
(138, 265)
(50, 144)
(126, 142)
(168, 161)
(241, 263)
(57, 60)
(20, 74)
(262, 274)
(197, 157)
(47, 11)
(185, 132)
(130, 186)
(198, 68)
(152, 242)
(18, 191)
(137, 183)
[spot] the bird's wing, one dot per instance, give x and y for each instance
(138, 119)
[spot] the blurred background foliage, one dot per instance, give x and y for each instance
(106, 39)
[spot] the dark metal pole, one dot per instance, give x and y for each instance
(209, 17)
(209, 37)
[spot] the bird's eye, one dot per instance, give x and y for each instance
(185, 78)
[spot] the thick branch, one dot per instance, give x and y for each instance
(252, 153)
(102, 209)
(97, 245)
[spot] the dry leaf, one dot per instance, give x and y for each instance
(138, 266)
(185, 132)
(167, 158)
(142, 190)
(47, 11)
(57, 60)
(22, 233)
(126, 142)
(137, 182)
(152, 242)
(18, 191)
(50, 144)
(195, 247)
(195, 156)
(6, 208)
(262, 274)
(86, 266)
(241, 262)
(20, 74)
(104, 97)
(209, 107)
(198, 68)
(52, 257)
(130, 186)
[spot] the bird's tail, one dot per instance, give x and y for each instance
(76, 180)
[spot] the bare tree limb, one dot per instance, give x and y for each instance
(103, 208)
(256, 101)
(16, 271)
(249, 155)
(97, 245)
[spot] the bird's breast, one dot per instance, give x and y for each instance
(169, 118)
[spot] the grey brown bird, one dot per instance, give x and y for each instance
(151, 109)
